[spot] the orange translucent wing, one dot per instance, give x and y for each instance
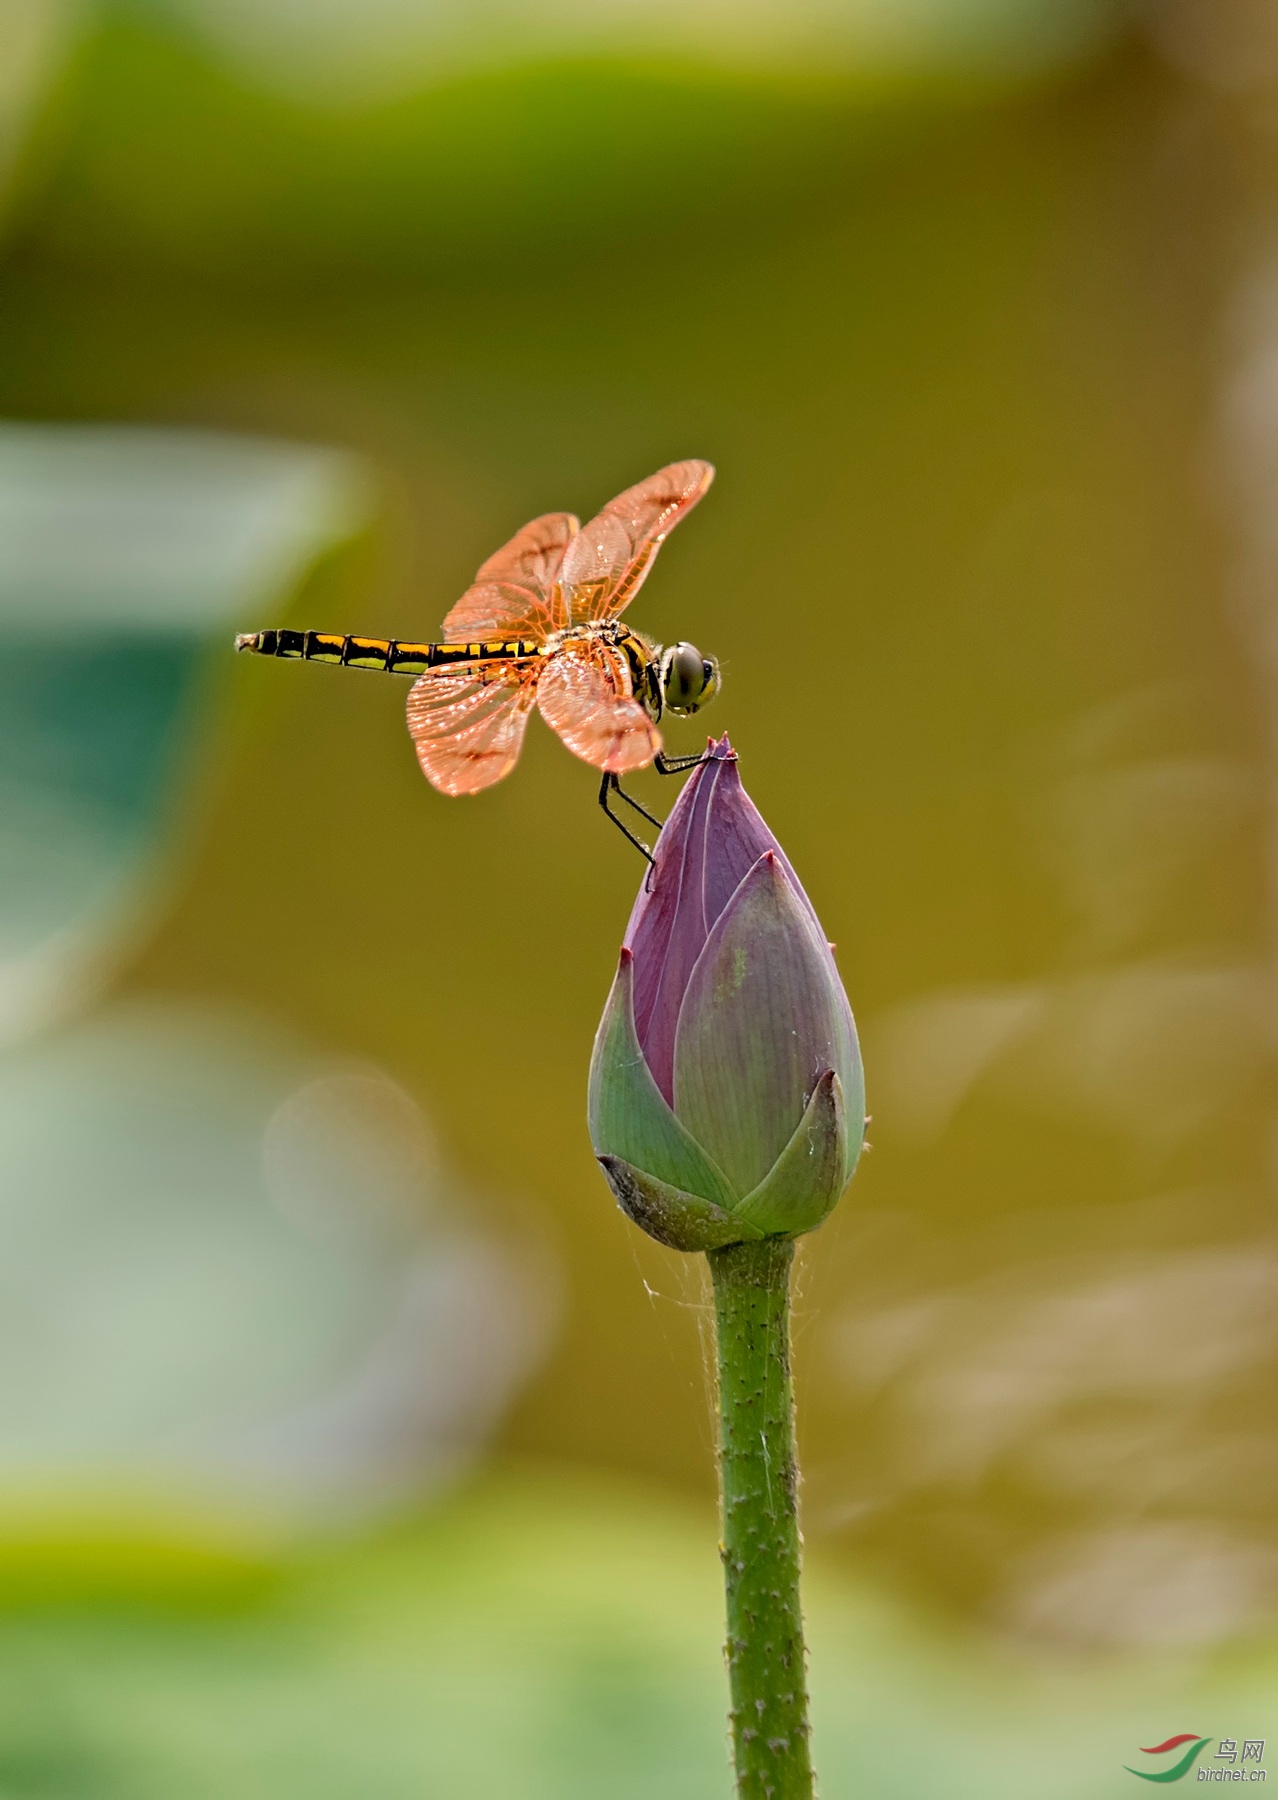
(585, 696)
(516, 592)
(605, 564)
(468, 723)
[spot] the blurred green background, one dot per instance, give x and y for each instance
(351, 1442)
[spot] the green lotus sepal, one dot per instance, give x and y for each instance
(726, 1095)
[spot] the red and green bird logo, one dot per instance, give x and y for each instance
(1181, 1766)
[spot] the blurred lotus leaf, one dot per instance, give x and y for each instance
(126, 556)
(554, 1638)
(34, 36)
(235, 1279)
(345, 46)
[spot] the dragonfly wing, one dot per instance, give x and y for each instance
(468, 723)
(516, 592)
(584, 695)
(606, 562)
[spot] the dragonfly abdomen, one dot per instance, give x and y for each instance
(390, 656)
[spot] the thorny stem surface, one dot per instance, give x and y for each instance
(766, 1660)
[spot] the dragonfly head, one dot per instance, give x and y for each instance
(688, 679)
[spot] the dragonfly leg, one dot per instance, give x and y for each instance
(610, 785)
(676, 765)
(630, 800)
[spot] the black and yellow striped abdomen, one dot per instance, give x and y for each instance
(389, 656)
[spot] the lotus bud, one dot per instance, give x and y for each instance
(727, 1101)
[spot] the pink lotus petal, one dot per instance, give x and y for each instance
(715, 834)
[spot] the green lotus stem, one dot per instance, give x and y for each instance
(767, 1662)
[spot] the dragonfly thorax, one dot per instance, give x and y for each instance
(673, 678)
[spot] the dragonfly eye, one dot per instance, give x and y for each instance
(688, 679)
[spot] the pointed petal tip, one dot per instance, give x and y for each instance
(805, 1182)
(626, 958)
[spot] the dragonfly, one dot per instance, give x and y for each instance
(541, 626)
